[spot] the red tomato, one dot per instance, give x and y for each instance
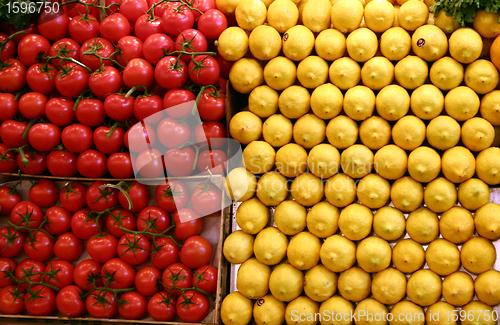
(69, 302)
(44, 136)
(44, 193)
(60, 111)
(75, 9)
(115, 27)
(212, 161)
(179, 162)
(120, 218)
(58, 220)
(204, 70)
(43, 304)
(156, 45)
(212, 105)
(29, 270)
(8, 200)
(90, 112)
(176, 18)
(147, 280)
(9, 164)
(30, 47)
(134, 249)
(8, 107)
(41, 78)
(10, 49)
(138, 72)
(172, 196)
(225, 66)
(178, 103)
(74, 82)
(85, 271)
(11, 300)
(122, 273)
(52, 24)
(108, 144)
(32, 105)
(178, 274)
(68, 246)
(119, 165)
(82, 29)
(139, 137)
(11, 133)
(37, 163)
(149, 164)
(138, 194)
(28, 214)
(83, 228)
(102, 84)
(154, 219)
(215, 133)
(102, 248)
(11, 242)
(145, 26)
(13, 76)
(187, 223)
(148, 109)
(196, 252)
(212, 23)
(99, 197)
(92, 164)
(40, 246)
(118, 107)
(131, 48)
(73, 196)
(62, 163)
(59, 273)
(114, 6)
(167, 253)
(206, 198)
(191, 41)
(135, 305)
(77, 138)
(203, 6)
(133, 9)
(192, 307)
(102, 304)
(65, 47)
(161, 307)
(101, 46)
(173, 134)
(6, 264)
(171, 73)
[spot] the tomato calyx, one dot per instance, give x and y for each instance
(25, 279)
(11, 236)
(95, 47)
(171, 192)
(21, 151)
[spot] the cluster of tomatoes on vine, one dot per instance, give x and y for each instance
(72, 88)
(135, 250)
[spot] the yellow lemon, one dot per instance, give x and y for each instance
(424, 287)
(424, 164)
(227, 6)
(298, 42)
(411, 72)
(323, 160)
(486, 23)
(461, 103)
(270, 246)
(282, 14)
(427, 102)
(466, 45)
(272, 188)
(342, 132)
(359, 103)
(357, 161)
(294, 102)
(320, 283)
(250, 14)
(312, 71)
(337, 305)
(379, 15)
(307, 189)
(355, 221)
(481, 76)
(395, 43)
(429, 42)
(487, 287)
(478, 255)
(473, 194)
(286, 282)
(403, 309)
(291, 160)
(245, 127)
(330, 44)
(309, 130)
(354, 284)
(437, 309)
(280, 73)
(483, 313)
(264, 42)
(340, 190)
(490, 107)
(263, 101)
(443, 132)
(303, 251)
(488, 166)
(443, 257)
(389, 286)
(422, 225)
(326, 101)
(238, 247)
(369, 307)
(407, 194)
(373, 254)
(240, 184)
(245, 75)
(456, 225)
(277, 130)
(408, 255)
(345, 73)
(375, 132)
(413, 14)
(362, 44)
(322, 219)
(392, 102)
(338, 253)
(233, 44)
(373, 191)
(458, 288)
(446, 23)
(390, 162)
(346, 15)
(458, 164)
(377, 72)
(389, 223)
(258, 157)
(440, 194)
(301, 306)
(236, 309)
(446, 73)
(269, 311)
(253, 279)
(252, 216)
(409, 132)
(487, 221)
(290, 217)
(316, 15)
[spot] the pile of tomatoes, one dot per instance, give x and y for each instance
(73, 88)
(105, 250)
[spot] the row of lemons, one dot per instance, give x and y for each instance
(353, 104)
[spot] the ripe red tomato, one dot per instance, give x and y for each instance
(147, 280)
(131, 48)
(85, 271)
(44, 136)
(122, 273)
(196, 40)
(187, 223)
(145, 26)
(139, 137)
(43, 304)
(114, 27)
(148, 109)
(44, 193)
(155, 219)
(213, 133)
(102, 248)
(13, 76)
(206, 198)
(138, 72)
(65, 47)
(176, 18)
(73, 196)
(40, 246)
(60, 111)
(99, 197)
(109, 81)
(59, 273)
(26, 213)
(11, 133)
(69, 302)
(204, 70)
(172, 196)
(178, 103)
(30, 47)
(82, 29)
(161, 307)
(149, 164)
(32, 105)
(41, 78)
(212, 105)
(90, 112)
(62, 163)
(118, 107)
(167, 253)
(108, 144)
(119, 165)
(120, 218)
(8, 200)
(37, 162)
(6, 264)
(77, 138)
(58, 220)
(29, 270)
(133, 9)
(92, 164)
(171, 73)
(156, 45)
(135, 305)
(83, 226)
(9, 107)
(203, 6)
(101, 304)
(138, 194)
(196, 252)
(172, 134)
(134, 249)
(53, 24)
(179, 162)
(68, 246)
(192, 307)
(10, 49)
(11, 300)
(9, 165)
(11, 242)
(102, 46)
(178, 274)
(212, 161)
(212, 23)
(74, 82)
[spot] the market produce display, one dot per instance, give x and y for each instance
(369, 156)
(98, 250)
